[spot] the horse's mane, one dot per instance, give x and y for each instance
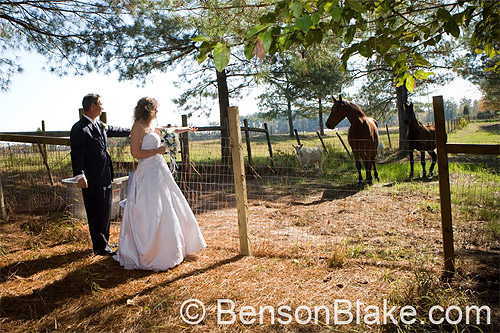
(356, 108)
(419, 124)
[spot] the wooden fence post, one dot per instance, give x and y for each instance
(247, 139)
(388, 136)
(444, 185)
(43, 152)
(297, 136)
(239, 178)
(184, 140)
(3, 211)
(269, 146)
(322, 142)
(343, 144)
(80, 113)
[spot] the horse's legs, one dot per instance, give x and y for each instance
(368, 169)
(360, 177)
(422, 161)
(411, 163)
(434, 157)
(375, 171)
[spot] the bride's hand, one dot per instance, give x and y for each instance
(192, 129)
(161, 150)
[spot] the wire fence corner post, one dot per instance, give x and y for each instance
(444, 185)
(239, 178)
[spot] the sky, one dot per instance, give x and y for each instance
(35, 95)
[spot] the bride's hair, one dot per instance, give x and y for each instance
(145, 109)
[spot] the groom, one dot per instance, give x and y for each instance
(93, 169)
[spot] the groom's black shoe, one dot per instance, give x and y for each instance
(105, 253)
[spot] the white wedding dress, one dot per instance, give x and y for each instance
(158, 228)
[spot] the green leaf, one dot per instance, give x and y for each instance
(346, 55)
(422, 75)
(318, 35)
(285, 42)
(314, 36)
(489, 50)
(249, 50)
(365, 50)
(304, 23)
(402, 58)
(356, 5)
(443, 15)
(389, 60)
(459, 18)
(383, 47)
(296, 8)
(256, 29)
(339, 32)
(315, 18)
(336, 13)
(349, 35)
(201, 58)
(268, 18)
(410, 83)
(495, 68)
(221, 55)
(308, 7)
(420, 61)
(267, 39)
(200, 38)
(452, 28)
(324, 6)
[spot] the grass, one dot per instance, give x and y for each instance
(338, 258)
(477, 132)
(424, 291)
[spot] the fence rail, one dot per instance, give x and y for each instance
(40, 139)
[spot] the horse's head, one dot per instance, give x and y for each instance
(337, 113)
(409, 113)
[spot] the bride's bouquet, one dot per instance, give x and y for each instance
(171, 142)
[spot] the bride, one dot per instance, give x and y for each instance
(158, 228)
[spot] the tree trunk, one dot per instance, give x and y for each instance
(223, 105)
(320, 117)
(401, 99)
(290, 120)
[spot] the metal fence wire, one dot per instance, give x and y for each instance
(293, 211)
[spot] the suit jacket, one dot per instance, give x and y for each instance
(89, 153)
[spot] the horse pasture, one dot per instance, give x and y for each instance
(380, 244)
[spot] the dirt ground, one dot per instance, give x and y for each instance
(370, 246)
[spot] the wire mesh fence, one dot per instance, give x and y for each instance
(294, 211)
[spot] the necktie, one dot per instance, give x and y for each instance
(96, 125)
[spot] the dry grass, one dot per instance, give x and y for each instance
(386, 246)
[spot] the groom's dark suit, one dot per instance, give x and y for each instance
(89, 156)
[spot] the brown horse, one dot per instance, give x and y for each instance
(421, 138)
(362, 135)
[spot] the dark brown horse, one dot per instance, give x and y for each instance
(362, 135)
(421, 138)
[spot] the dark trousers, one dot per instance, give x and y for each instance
(98, 207)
